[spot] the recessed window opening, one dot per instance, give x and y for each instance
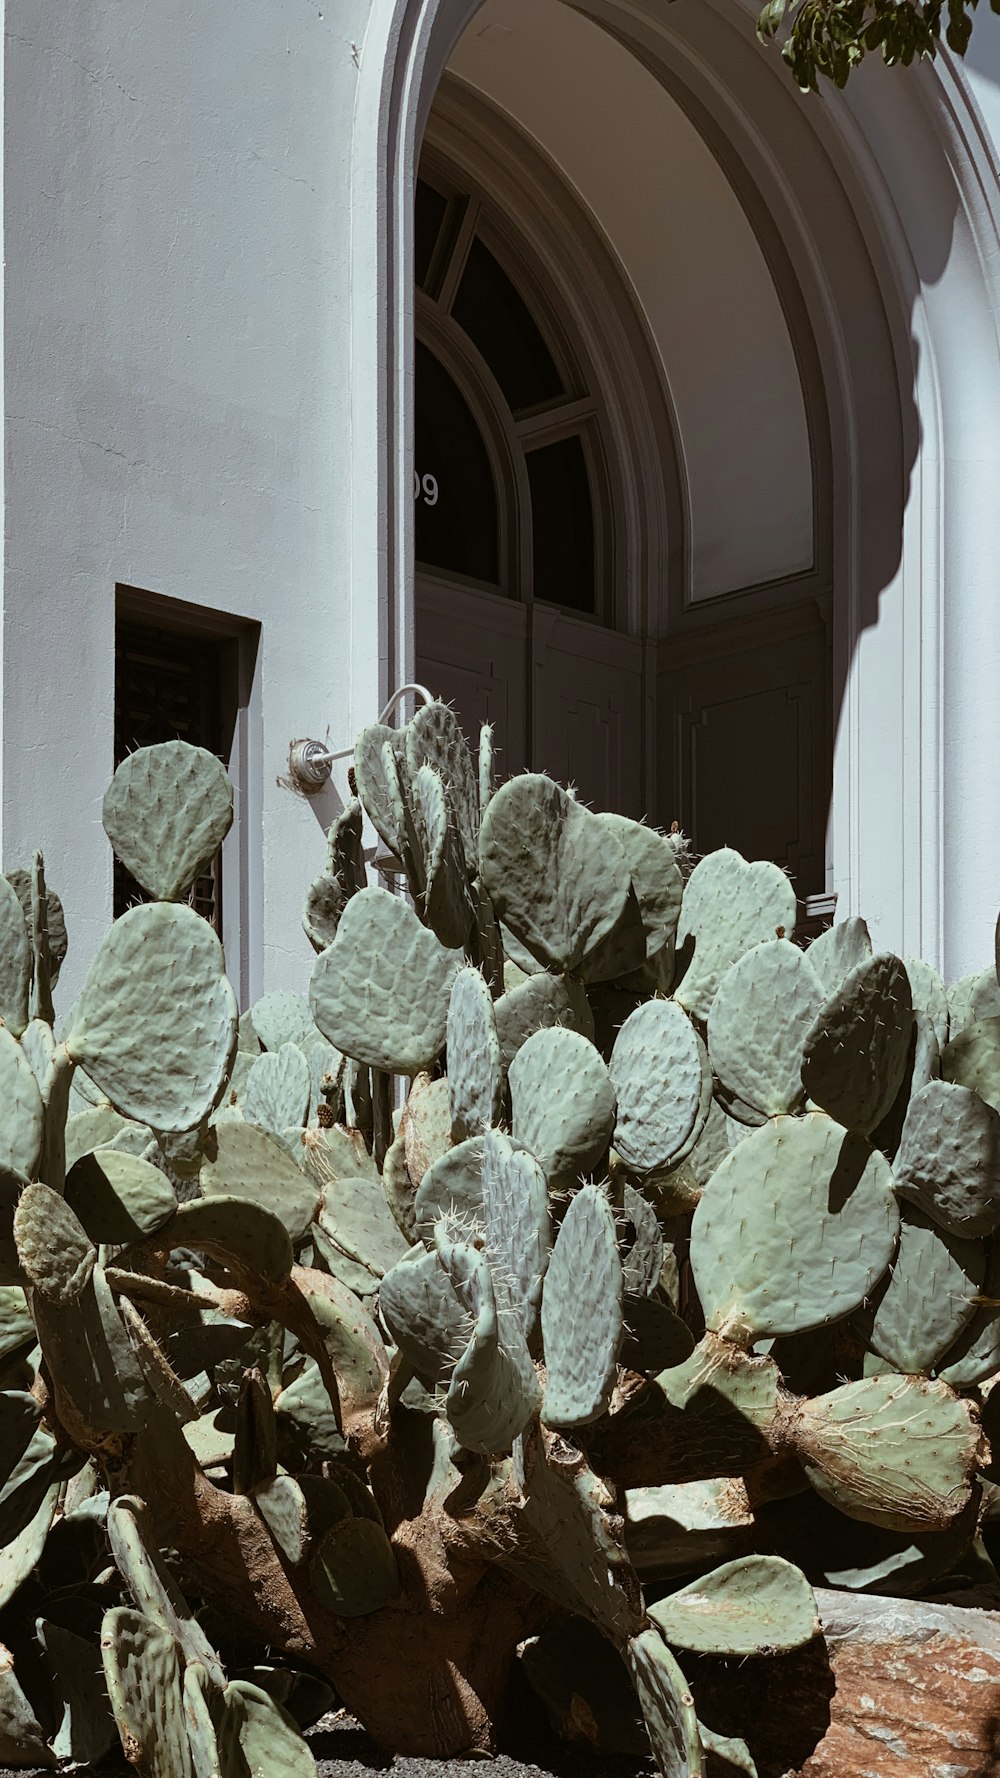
(186, 673)
(171, 687)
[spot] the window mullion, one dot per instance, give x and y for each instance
(550, 422)
(451, 275)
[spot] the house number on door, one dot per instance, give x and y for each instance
(425, 488)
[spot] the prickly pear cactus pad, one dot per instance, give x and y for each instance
(243, 1161)
(167, 811)
(425, 1125)
(728, 907)
(241, 1233)
(475, 1078)
(929, 996)
(972, 1059)
(345, 853)
(440, 881)
(835, 952)
(948, 1160)
(667, 1707)
(794, 1229)
(20, 881)
(540, 1000)
(931, 1295)
(493, 1391)
(380, 992)
(856, 1052)
(321, 911)
(282, 1017)
(278, 1089)
(642, 1268)
(657, 881)
(52, 1245)
(516, 1223)
(356, 1213)
(975, 1356)
(380, 803)
(971, 998)
(742, 1608)
(582, 1312)
(658, 1068)
(144, 1675)
(896, 1451)
(562, 1101)
(418, 1305)
(15, 960)
(258, 1737)
(434, 738)
(354, 1570)
(119, 1197)
(23, 1119)
(760, 1018)
(156, 1024)
(557, 876)
(452, 1186)
(150, 1584)
(573, 1549)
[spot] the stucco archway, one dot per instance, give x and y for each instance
(881, 206)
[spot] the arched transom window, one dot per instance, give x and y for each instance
(514, 481)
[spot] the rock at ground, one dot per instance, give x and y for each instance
(898, 1689)
(918, 1691)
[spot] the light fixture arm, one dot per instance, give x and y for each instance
(310, 763)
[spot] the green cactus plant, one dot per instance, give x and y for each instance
(490, 1364)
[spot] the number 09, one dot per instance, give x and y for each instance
(425, 487)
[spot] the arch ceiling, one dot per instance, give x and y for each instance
(696, 269)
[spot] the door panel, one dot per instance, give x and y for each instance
(471, 651)
(588, 710)
(743, 740)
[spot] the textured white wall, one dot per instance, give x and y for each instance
(694, 264)
(177, 225)
(182, 320)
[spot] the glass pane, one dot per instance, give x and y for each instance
(457, 520)
(562, 520)
(428, 215)
(497, 320)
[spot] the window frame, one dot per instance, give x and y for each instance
(511, 435)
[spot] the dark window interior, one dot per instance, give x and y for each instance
(562, 525)
(173, 687)
(497, 319)
(457, 520)
(429, 213)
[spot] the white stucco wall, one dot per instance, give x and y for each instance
(199, 305)
(175, 369)
(695, 267)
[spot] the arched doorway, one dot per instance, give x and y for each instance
(883, 204)
(545, 487)
(631, 574)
